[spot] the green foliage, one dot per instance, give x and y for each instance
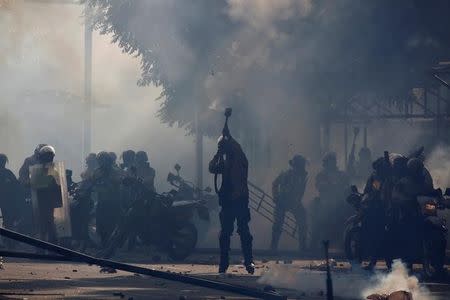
(336, 50)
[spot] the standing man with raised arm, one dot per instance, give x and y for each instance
(230, 162)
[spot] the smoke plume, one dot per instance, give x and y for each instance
(348, 286)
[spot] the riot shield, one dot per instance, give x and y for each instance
(51, 177)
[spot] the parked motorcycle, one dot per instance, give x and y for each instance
(159, 220)
(432, 252)
(188, 191)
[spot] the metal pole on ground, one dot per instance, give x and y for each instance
(77, 256)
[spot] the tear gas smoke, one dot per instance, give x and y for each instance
(349, 286)
(42, 80)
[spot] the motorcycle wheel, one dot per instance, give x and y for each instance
(182, 242)
(434, 254)
(352, 244)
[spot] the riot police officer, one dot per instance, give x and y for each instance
(230, 161)
(330, 208)
(47, 188)
(9, 194)
(91, 165)
(144, 171)
(128, 159)
(105, 184)
(287, 191)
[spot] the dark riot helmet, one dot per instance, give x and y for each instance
(329, 160)
(113, 156)
(128, 156)
(415, 167)
(365, 153)
(91, 159)
(298, 162)
(223, 143)
(104, 159)
(141, 157)
(3, 160)
(38, 148)
(46, 154)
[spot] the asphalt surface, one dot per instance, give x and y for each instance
(25, 279)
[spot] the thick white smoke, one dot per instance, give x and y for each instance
(398, 280)
(42, 58)
(346, 285)
(438, 163)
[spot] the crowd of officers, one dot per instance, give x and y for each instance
(328, 211)
(99, 194)
(389, 207)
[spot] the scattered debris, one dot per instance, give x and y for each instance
(322, 266)
(268, 288)
(119, 294)
(108, 270)
(74, 271)
(66, 277)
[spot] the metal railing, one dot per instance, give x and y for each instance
(263, 204)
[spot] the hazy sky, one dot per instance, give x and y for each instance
(44, 51)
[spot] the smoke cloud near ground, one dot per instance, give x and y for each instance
(348, 286)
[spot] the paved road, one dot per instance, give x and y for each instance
(23, 279)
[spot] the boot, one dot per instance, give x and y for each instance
(246, 244)
(250, 267)
(224, 243)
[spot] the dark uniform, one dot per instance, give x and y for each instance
(48, 194)
(105, 184)
(330, 208)
(231, 162)
(144, 171)
(91, 165)
(9, 195)
(406, 227)
(128, 159)
(373, 210)
(360, 170)
(287, 191)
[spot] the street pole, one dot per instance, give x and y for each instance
(87, 120)
(198, 150)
